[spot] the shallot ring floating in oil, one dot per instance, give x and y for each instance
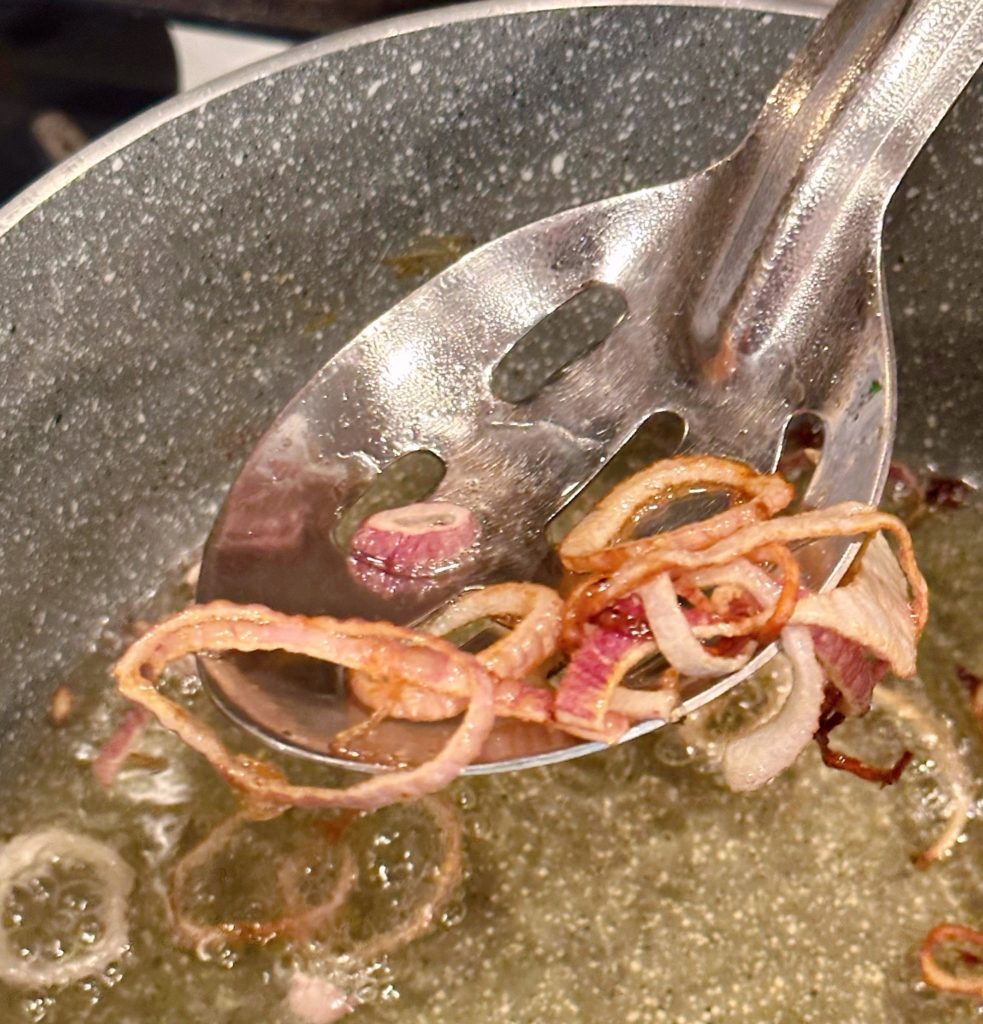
(593, 544)
(938, 977)
(312, 921)
(33, 850)
(448, 876)
(934, 733)
(301, 922)
(375, 647)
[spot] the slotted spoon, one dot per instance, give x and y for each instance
(753, 291)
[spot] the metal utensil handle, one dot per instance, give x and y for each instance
(874, 82)
(830, 146)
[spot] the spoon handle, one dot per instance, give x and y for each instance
(831, 144)
(869, 89)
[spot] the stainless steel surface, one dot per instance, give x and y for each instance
(144, 283)
(753, 292)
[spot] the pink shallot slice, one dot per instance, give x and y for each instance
(376, 647)
(111, 758)
(414, 542)
(767, 750)
(587, 686)
(872, 609)
(316, 1000)
(853, 670)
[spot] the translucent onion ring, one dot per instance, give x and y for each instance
(938, 977)
(23, 853)
(844, 520)
(376, 647)
(674, 635)
(304, 922)
(535, 613)
(591, 546)
(766, 750)
(934, 734)
(448, 877)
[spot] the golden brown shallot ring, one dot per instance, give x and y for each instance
(534, 613)
(306, 921)
(593, 544)
(844, 520)
(376, 647)
(945, 981)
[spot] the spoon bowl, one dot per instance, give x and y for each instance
(748, 293)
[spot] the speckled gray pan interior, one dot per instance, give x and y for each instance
(163, 294)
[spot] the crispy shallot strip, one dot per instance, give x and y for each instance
(533, 611)
(935, 734)
(739, 577)
(593, 545)
(836, 759)
(963, 939)
(299, 921)
(783, 609)
(376, 647)
(847, 519)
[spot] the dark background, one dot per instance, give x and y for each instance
(73, 69)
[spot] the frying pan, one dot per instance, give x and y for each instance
(166, 290)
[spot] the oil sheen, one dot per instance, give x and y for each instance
(628, 886)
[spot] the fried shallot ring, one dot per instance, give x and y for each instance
(938, 977)
(779, 556)
(447, 879)
(376, 647)
(593, 546)
(305, 921)
(533, 611)
(934, 734)
(844, 520)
